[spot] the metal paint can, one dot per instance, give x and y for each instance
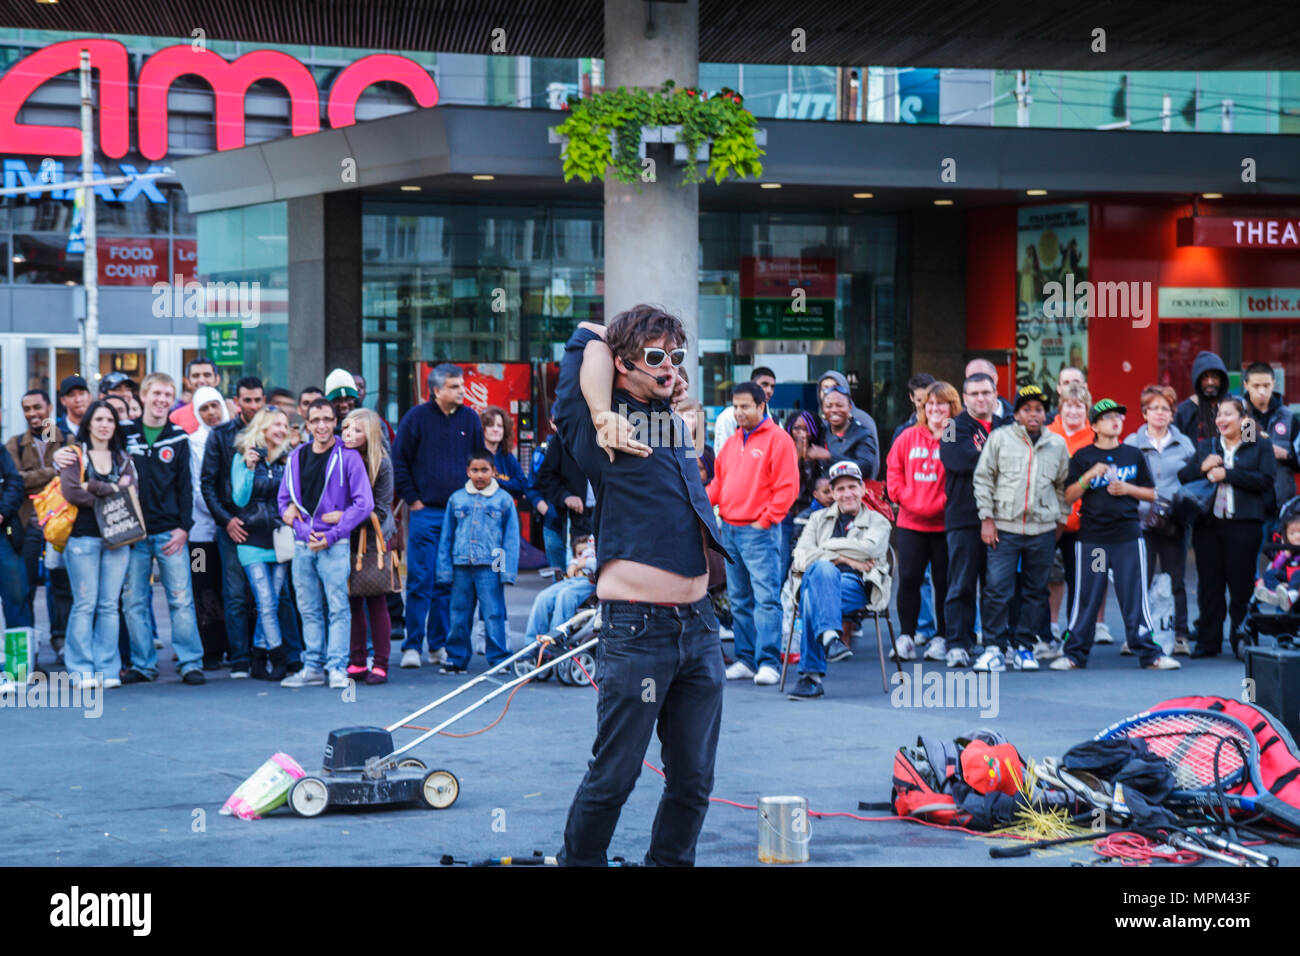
(783, 830)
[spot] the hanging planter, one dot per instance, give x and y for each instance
(611, 130)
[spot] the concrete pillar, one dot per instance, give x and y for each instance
(324, 286)
(937, 245)
(652, 230)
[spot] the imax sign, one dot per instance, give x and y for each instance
(230, 82)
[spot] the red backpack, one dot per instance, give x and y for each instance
(955, 782)
(1279, 758)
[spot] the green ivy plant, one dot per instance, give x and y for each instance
(622, 112)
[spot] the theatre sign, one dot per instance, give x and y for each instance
(230, 82)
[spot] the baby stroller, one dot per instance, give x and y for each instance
(1266, 619)
(559, 640)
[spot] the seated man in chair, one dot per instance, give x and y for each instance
(842, 558)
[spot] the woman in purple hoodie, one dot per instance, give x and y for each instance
(325, 494)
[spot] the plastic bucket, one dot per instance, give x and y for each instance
(783, 830)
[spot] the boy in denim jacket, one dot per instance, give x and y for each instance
(478, 554)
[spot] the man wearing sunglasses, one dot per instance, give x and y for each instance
(659, 660)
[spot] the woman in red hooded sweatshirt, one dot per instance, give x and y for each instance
(915, 480)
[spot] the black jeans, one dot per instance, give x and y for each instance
(655, 664)
(1225, 557)
(966, 556)
(58, 589)
(1170, 552)
(916, 550)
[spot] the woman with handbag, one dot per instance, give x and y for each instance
(1226, 538)
(95, 571)
(373, 576)
(261, 449)
(1166, 450)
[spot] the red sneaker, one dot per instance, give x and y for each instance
(377, 675)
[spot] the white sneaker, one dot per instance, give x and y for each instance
(829, 637)
(1063, 663)
(739, 670)
(1264, 596)
(411, 658)
(906, 648)
(1182, 646)
(957, 657)
(725, 633)
(991, 660)
(338, 679)
(436, 657)
(1103, 635)
(1163, 663)
(767, 675)
(85, 683)
(307, 677)
(111, 682)
(936, 649)
(1284, 598)
(1125, 650)
(1024, 660)
(1047, 650)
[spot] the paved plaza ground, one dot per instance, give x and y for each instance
(142, 784)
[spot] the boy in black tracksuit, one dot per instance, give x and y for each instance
(1111, 478)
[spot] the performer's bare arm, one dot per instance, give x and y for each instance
(613, 431)
(624, 580)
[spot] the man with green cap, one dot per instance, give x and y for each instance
(1111, 478)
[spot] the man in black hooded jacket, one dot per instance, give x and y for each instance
(1195, 415)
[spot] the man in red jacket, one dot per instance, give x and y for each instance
(755, 481)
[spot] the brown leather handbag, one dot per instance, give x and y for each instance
(374, 570)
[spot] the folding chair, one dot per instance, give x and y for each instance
(852, 620)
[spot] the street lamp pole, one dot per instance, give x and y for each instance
(90, 259)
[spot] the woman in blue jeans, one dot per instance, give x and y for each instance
(96, 573)
(261, 450)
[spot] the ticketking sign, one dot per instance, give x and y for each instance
(1194, 303)
(230, 82)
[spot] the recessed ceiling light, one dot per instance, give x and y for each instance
(1211, 195)
(943, 202)
(1035, 192)
(864, 195)
(483, 177)
(410, 189)
(769, 185)
(47, 1)
(69, 282)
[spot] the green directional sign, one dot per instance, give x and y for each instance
(764, 318)
(226, 343)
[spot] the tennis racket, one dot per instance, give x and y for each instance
(1208, 753)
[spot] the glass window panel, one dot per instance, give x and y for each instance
(45, 259)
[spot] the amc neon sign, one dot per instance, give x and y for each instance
(230, 81)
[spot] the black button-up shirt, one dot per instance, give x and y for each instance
(650, 509)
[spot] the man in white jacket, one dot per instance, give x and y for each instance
(1020, 495)
(841, 556)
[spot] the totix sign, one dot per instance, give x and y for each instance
(230, 82)
(787, 297)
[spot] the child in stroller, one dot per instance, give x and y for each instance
(1281, 578)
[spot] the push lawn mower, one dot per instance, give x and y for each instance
(361, 767)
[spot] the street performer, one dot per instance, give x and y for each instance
(659, 659)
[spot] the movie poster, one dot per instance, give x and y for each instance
(1053, 242)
